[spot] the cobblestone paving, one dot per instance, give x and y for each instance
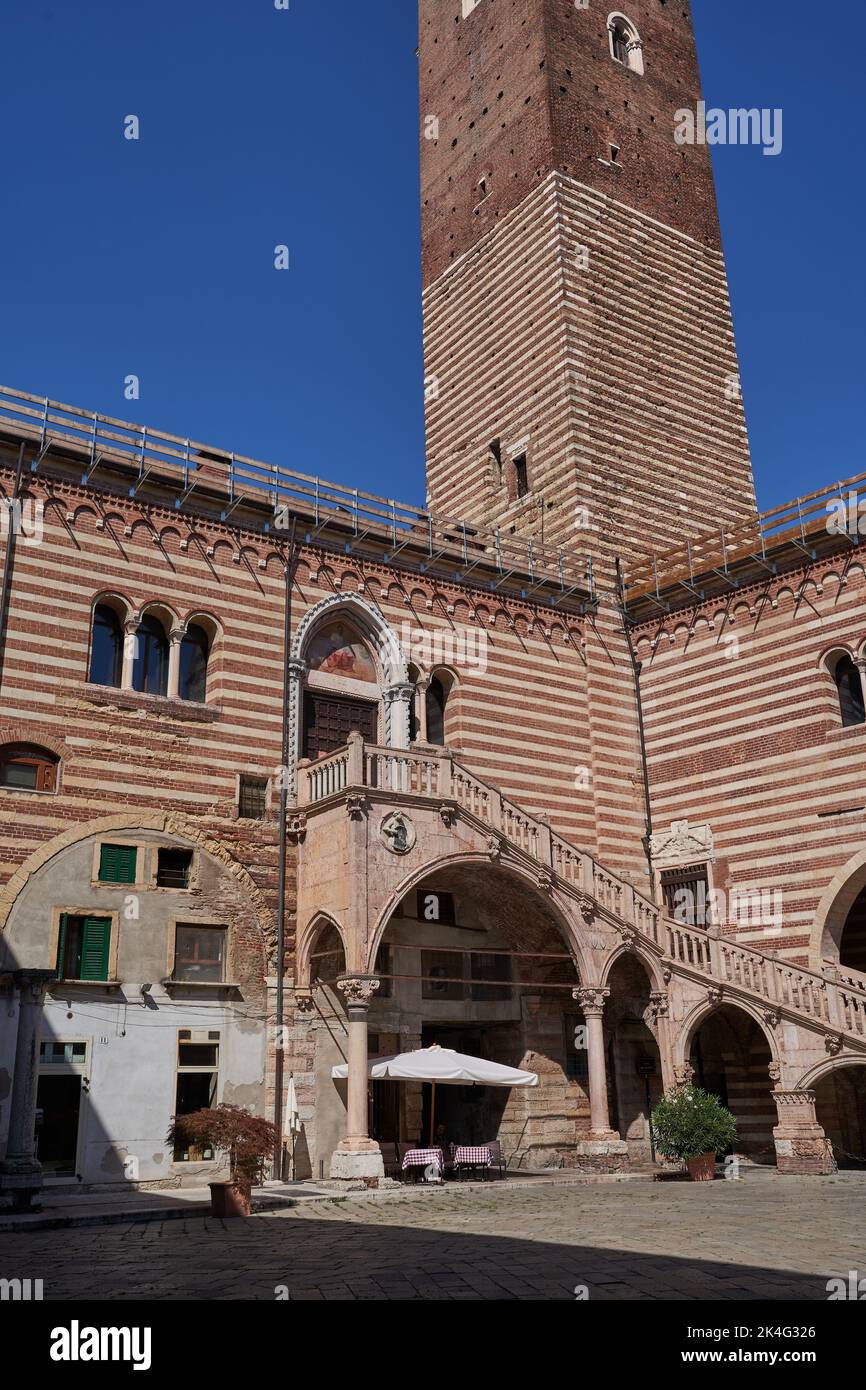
(767, 1239)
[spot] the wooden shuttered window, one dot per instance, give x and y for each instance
(117, 863)
(83, 947)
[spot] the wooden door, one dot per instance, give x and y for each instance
(329, 719)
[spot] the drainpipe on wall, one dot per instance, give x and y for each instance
(640, 724)
(9, 560)
(291, 558)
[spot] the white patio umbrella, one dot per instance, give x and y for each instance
(443, 1067)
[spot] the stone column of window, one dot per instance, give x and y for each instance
(860, 663)
(130, 644)
(592, 1002)
(20, 1172)
(357, 1156)
(175, 639)
(399, 698)
(422, 685)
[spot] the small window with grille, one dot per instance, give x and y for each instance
(685, 892)
(253, 798)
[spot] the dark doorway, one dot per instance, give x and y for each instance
(59, 1100)
(329, 719)
(469, 1114)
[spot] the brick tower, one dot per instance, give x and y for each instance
(582, 378)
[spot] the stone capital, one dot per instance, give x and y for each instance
(401, 692)
(297, 669)
(591, 999)
(358, 990)
(32, 984)
(659, 1003)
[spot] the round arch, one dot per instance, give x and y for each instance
(704, 1010)
(832, 911)
(651, 963)
(552, 899)
(821, 1070)
(167, 823)
(318, 923)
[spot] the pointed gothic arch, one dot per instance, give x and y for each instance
(395, 690)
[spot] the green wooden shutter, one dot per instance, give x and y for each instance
(117, 863)
(61, 945)
(95, 942)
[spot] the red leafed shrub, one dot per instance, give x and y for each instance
(247, 1139)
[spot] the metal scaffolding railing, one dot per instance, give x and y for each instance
(542, 573)
(832, 510)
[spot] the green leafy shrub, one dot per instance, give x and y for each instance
(247, 1139)
(690, 1122)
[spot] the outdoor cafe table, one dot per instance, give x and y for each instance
(424, 1158)
(472, 1156)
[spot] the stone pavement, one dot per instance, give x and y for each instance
(776, 1239)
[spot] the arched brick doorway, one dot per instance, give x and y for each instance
(731, 1058)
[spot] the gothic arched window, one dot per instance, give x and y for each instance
(849, 686)
(106, 647)
(150, 670)
(437, 699)
(194, 650)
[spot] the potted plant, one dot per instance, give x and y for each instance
(247, 1139)
(694, 1126)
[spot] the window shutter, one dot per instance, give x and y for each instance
(117, 863)
(95, 941)
(61, 945)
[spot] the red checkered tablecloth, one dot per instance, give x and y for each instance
(478, 1157)
(423, 1158)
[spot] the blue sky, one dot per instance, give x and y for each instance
(261, 127)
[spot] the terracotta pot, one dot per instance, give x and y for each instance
(702, 1168)
(229, 1199)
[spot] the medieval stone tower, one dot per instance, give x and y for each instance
(582, 379)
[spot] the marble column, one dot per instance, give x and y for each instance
(20, 1172)
(398, 698)
(357, 1157)
(130, 647)
(603, 1150)
(176, 637)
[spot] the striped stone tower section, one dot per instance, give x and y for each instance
(581, 371)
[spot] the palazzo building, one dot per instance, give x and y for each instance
(564, 771)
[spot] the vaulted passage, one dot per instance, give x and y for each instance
(840, 1105)
(731, 1058)
(634, 1065)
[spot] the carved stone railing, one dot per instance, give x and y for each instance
(834, 1001)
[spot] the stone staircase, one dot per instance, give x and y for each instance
(832, 1004)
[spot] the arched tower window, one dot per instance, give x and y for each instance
(625, 43)
(150, 670)
(849, 686)
(106, 647)
(194, 652)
